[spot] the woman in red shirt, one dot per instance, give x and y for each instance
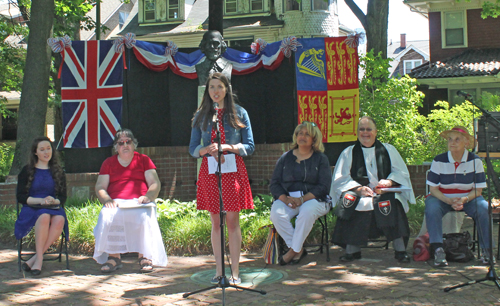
(127, 187)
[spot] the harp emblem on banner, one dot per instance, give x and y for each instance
(309, 63)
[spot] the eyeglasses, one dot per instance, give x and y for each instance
(312, 123)
(365, 129)
(127, 142)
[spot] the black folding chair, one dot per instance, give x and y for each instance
(325, 242)
(26, 256)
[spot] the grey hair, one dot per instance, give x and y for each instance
(125, 133)
(369, 119)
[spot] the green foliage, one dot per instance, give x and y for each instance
(416, 215)
(393, 103)
(445, 118)
(6, 157)
(72, 15)
(491, 9)
(13, 55)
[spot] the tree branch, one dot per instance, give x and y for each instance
(357, 12)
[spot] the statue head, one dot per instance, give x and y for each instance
(213, 45)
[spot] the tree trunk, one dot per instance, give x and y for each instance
(375, 23)
(377, 19)
(33, 104)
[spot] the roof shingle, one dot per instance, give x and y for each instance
(472, 62)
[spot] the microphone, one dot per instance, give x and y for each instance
(463, 94)
(216, 108)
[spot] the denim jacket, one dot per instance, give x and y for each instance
(241, 137)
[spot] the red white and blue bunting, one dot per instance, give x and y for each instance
(157, 57)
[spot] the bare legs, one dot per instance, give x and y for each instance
(47, 229)
(234, 233)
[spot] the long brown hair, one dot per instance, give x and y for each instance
(54, 167)
(206, 108)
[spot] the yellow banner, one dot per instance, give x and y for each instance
(343, 110)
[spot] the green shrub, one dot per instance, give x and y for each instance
(6, 157)
(185, 230)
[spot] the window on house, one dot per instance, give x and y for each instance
(257, 5)
(291, 5)
(149, 10)
(454, 26)
(240, 43)
(173, 9)
(320, 5)
(122, 17)
(410, 64)
(231, 6)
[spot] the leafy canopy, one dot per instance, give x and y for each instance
(393, 103)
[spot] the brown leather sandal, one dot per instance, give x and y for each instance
(146, 265)
(112, 267)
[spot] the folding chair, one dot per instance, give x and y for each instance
(475, 234)
(26, 256)
(325, 242)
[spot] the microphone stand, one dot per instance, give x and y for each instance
(491, 274)
(223, 282)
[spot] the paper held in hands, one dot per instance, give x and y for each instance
(132, 204)
(228, 166)
(398, 189)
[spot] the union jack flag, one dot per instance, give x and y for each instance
(91, 92)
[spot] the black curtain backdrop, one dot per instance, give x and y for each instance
(158, 108)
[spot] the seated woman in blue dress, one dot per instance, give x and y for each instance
(41, 188)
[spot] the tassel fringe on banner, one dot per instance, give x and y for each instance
(58, 44)
(355, 39)
(258, 46)
(289, 44)
(128, 40)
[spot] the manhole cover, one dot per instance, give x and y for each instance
(249, 276)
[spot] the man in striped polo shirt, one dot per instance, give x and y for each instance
(456, 179)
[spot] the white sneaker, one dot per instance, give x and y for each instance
(485, 257)
(234, 281)
(440, 258)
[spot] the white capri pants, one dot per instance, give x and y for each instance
(306, 213)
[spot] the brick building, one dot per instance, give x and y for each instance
(464, 51)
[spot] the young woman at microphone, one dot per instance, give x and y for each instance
(236, 142)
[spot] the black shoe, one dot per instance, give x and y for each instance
(25, 267)
(296, 261)
(36, 272)
(283, 262)
(402, 257)
(350, 257)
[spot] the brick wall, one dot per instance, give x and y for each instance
(481, 33)
(177, 171)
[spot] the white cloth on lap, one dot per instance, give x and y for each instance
(129, 230)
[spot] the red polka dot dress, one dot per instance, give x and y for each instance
(236, 192)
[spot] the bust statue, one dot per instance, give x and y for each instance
(213, 46)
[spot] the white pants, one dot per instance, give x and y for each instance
(306, 213)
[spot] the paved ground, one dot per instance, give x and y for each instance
(377, 279)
